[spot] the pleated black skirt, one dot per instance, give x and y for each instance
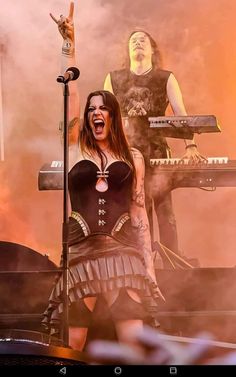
(99, 264)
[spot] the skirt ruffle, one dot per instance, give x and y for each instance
(94, 276)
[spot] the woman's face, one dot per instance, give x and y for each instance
(99, 118)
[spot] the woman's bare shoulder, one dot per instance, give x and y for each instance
(74, 155)
(136, 153)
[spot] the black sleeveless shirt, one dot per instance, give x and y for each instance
(136, 92)
(140, 97)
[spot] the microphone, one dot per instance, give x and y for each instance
(71, 73)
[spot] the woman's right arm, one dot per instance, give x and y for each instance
(66, 29)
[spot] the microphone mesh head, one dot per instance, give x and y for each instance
(76, 72)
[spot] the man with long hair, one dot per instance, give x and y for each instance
(144, 90)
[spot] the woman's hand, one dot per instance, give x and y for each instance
(66, 24)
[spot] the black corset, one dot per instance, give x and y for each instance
(100, 210)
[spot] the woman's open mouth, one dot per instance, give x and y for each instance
(98, 125)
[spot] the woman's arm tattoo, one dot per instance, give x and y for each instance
(144, 239)
(71, 125)
(139, 196)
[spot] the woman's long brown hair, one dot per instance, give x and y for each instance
(117, 140)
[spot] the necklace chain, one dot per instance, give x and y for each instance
(143, 73)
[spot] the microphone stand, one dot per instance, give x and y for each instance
(65, 226)
(72, 73)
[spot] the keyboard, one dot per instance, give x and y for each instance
(184, 126)
(214, 172)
